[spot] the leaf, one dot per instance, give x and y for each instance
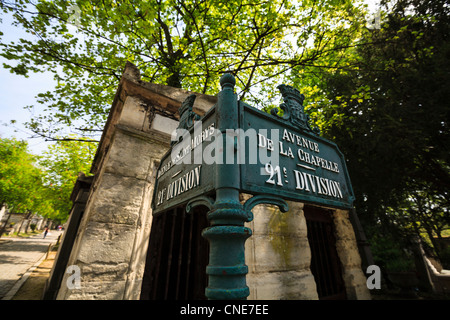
(186, 44)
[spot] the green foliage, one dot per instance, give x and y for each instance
(390, 116)
(42, 185)
(21, 184)
(389, 254)
(184, 44)
(63, 161)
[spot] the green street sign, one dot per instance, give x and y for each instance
(292, 162)
(183, 173)
(236, 148)
(276, 155)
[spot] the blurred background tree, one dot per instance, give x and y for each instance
(61, 164)
(389, 113)
(21, 181)
(42, 184)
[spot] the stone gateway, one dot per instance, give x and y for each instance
(124, 251)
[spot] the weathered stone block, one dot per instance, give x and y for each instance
(131, 157)
(270, 220)
(344, 228)
(355, 285)
(347, 249)
(348, 253)
(99, 290)
(290, 285)
(279, 253)
(104, 272)
(164, 124)
(133, 113)
(118, 199)
(106, 243)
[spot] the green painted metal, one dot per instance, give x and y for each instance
(227, 234)
(182, 175)
(300, 165)
(270, 156)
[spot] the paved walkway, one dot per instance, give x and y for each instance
(18, 255)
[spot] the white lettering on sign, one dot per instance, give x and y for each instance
(274, 172)
(300, 141)
(306, 152)
(315, 184)
(186, 182)
(305, 181)
(313, 173)
(180, 153)
(264, 142)
(317, 161)
(302, 153)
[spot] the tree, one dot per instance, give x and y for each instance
(21, 182)
(42, 185)
(390, 116)
(181, 43)
(62, 163)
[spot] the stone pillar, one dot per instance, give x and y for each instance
(347, 249)
(112, 242)
(278, 255)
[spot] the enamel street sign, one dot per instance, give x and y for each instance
(293, 162)
(276, 155)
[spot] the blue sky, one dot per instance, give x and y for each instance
(16, 92)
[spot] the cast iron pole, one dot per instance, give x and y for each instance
(227, 234)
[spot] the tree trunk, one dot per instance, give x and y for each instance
(4, 225)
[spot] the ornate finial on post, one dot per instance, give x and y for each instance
(291, 93)
(187, 116)
(293, 108)
(227, 81)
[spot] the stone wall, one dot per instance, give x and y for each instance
(112, 241)
(278, 255)
(347, 249)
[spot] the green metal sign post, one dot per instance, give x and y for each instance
(236, 148)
